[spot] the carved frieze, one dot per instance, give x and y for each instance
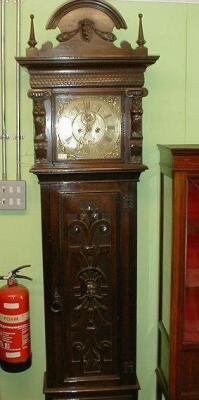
(88, 79)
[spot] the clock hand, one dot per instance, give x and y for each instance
(88, 119)
(89, 127)
(68, 140)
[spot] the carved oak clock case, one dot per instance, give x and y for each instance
(87, 110)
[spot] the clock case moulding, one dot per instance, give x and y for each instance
(89, 206)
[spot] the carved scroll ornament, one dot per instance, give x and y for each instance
(87, 29)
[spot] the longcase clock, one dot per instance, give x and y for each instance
(87, 110)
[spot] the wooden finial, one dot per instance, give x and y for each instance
(32, 41)
(141, 42)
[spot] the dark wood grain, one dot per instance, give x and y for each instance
(89, 245)
(89, 206)
(103, 6)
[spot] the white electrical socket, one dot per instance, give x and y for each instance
(12, 195)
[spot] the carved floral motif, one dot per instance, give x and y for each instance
(91, 288)
(92, 354)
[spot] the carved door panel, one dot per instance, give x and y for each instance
(83, 289)
(89, 243)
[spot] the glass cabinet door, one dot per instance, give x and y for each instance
(191, 316)
(165, 274)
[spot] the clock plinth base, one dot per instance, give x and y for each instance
(98, 392)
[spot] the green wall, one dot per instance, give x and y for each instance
(171, 116)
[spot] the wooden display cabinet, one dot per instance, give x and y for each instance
(87, 109)
(178, 352)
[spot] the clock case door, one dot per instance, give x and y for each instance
(90, 285)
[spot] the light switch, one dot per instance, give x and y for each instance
(12, 195)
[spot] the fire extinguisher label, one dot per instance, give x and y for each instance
(14, 342)
(11, 306)
(15, 354)
(14, 319)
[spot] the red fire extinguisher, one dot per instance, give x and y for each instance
(15, 350)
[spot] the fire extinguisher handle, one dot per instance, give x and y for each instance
(23, 277)
(14, 274)
(16, 270)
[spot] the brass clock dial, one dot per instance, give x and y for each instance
(88, 127)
